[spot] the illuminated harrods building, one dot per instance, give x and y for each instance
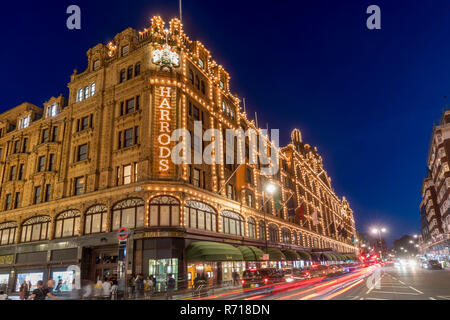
(77, 170)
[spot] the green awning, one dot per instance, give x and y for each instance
(342, 257)
(275, 254)
(291, 255)
(315, 256)
(327, 256)
(350, 257)
(212, 251)
(305, 256)
(334, 256)
(251, 253)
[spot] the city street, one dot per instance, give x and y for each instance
(395, 283)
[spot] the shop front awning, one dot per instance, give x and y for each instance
(334, 256)
(315, 256)
(275, 254)
(291, 255)
(305, 256)
(327, 257)
(251, 253)
(200, 251)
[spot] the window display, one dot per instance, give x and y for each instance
(63, 280)
(32, 277)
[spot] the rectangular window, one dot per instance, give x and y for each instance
(125, 50)
(52, 110)
(16, 146)
(79, 185)
(230, 193)
(37, 195)
(196, 178)
(92, 89)
(25, 145)
(196, 114)
(130, 72)
(41, 164)
(136, 135)
(84, 123)
(12, 173)
(129, 106)
(122, 75)
(47, 192)
(54, 134)
(82, 152)
(20, 172)
(137, 69)
(128, 138)
(24, 122)
(44, 136)
(8, 202)
(86, 92)
(119, 141)
(127, 174)
(51, 161)
(138, 102)
(80, 95)
(17, 200)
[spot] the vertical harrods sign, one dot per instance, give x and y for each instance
(164, 124)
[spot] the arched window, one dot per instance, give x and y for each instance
(286, 236)
(251, 225)
(273, 233)
(203, 88)
(294, 237)
(128, 213)
(309, 241)
(232, 223)
(198, 215)
(7, 233)
(164, 211)
(35, 229)
(316, 243)
(262, 230)
(96, 219)
(300, 239)
(68, 224)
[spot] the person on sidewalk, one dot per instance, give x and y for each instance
(170, 287)
(24, 292)
(106, 288)
(3, 295)
(139, 285)
(41, 293)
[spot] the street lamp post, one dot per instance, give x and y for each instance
(379, 231)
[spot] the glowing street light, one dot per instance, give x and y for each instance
(379, 230)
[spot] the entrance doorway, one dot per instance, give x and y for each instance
(104, 263)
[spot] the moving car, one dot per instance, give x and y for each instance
(296, 274)
(254, 278)
(318, 270)
(432, 264)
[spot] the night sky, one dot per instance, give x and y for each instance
(366, 98)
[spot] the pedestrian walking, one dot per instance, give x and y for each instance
(106, 288)
(98, 289)
(24, 291)
(139, 286)
(114, 290)
(51, 284)
(41, 293)
(170, 287)
(148, 286)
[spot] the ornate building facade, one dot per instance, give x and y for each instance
(435, 205)
(77, 170)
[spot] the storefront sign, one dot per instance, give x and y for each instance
(160, 234)
(265, 256)
(8, 259)
(165, 104)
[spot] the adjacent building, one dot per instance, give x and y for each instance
(77, 170)
(435, 205)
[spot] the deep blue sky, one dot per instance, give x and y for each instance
(367, 99)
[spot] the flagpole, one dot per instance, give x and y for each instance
(229, 178)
